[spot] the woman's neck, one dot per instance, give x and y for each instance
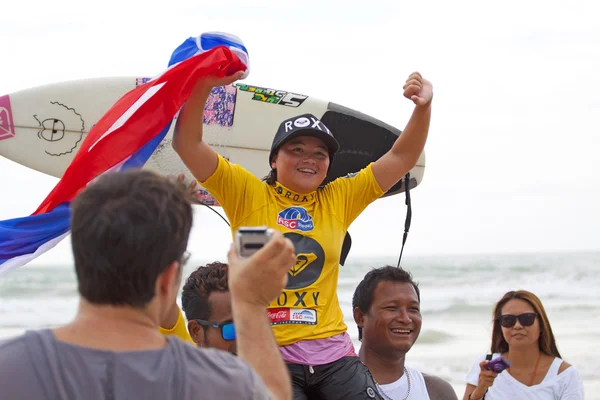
(523, 357)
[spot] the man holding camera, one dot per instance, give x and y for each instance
(129, 234)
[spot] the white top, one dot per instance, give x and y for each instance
(397, 390)
(566, 386)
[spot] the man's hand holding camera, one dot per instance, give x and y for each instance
(261, 277)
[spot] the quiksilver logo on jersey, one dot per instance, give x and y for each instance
(310, 259)
(302, 261)
(295, 218)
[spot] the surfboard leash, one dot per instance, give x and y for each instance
(213, 210)
(408, 214)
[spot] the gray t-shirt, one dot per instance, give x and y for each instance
(38, 366)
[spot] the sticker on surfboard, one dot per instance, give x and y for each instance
(273, 96)
(54, 122)
(220, 107)
(7, 130)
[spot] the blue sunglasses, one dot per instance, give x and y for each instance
(227, 328)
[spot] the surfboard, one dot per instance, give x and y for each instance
(42, 127)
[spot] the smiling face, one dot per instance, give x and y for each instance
(393, 322)
(302, 164)
(519, 335)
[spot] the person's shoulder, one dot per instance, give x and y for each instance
(227, 374)
(564, 366)
(12, 349)
(366, 171)
(361, 182)
(218, 366)
(344, 182)
(438, 388)
(220, 359)
(224, 162)
(15, 364)
(568, 372)
(570, 380)
(225, 166)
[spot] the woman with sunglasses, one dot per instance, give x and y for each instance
(523, 336)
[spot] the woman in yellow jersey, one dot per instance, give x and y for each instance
(307, 319)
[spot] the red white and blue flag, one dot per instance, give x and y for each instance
(125, 137)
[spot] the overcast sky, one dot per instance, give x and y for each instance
(512, 159)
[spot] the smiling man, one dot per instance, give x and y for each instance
(387, 310)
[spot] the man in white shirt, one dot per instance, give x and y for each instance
(386, 307)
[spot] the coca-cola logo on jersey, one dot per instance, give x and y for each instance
(279, 315)
(304, 316)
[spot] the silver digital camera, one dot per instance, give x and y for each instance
(249, 240)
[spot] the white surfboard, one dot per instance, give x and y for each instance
(43, 127)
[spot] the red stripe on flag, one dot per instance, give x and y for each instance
(97, 156)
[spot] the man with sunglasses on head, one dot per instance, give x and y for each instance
(129, 233)
(207, 305)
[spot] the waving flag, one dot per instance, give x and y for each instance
(125, 137)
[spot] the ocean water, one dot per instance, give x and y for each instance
(458, 295)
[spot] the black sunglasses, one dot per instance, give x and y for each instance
(508, 321)
(227, 328)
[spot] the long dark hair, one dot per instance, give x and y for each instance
(546, 341)
(271, 177)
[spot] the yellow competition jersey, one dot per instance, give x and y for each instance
(316, 223)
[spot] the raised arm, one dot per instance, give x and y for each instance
(196, 154)
(250, 295)
(407, 149)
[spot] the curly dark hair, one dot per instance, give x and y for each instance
(271, 177)
(198, 287)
